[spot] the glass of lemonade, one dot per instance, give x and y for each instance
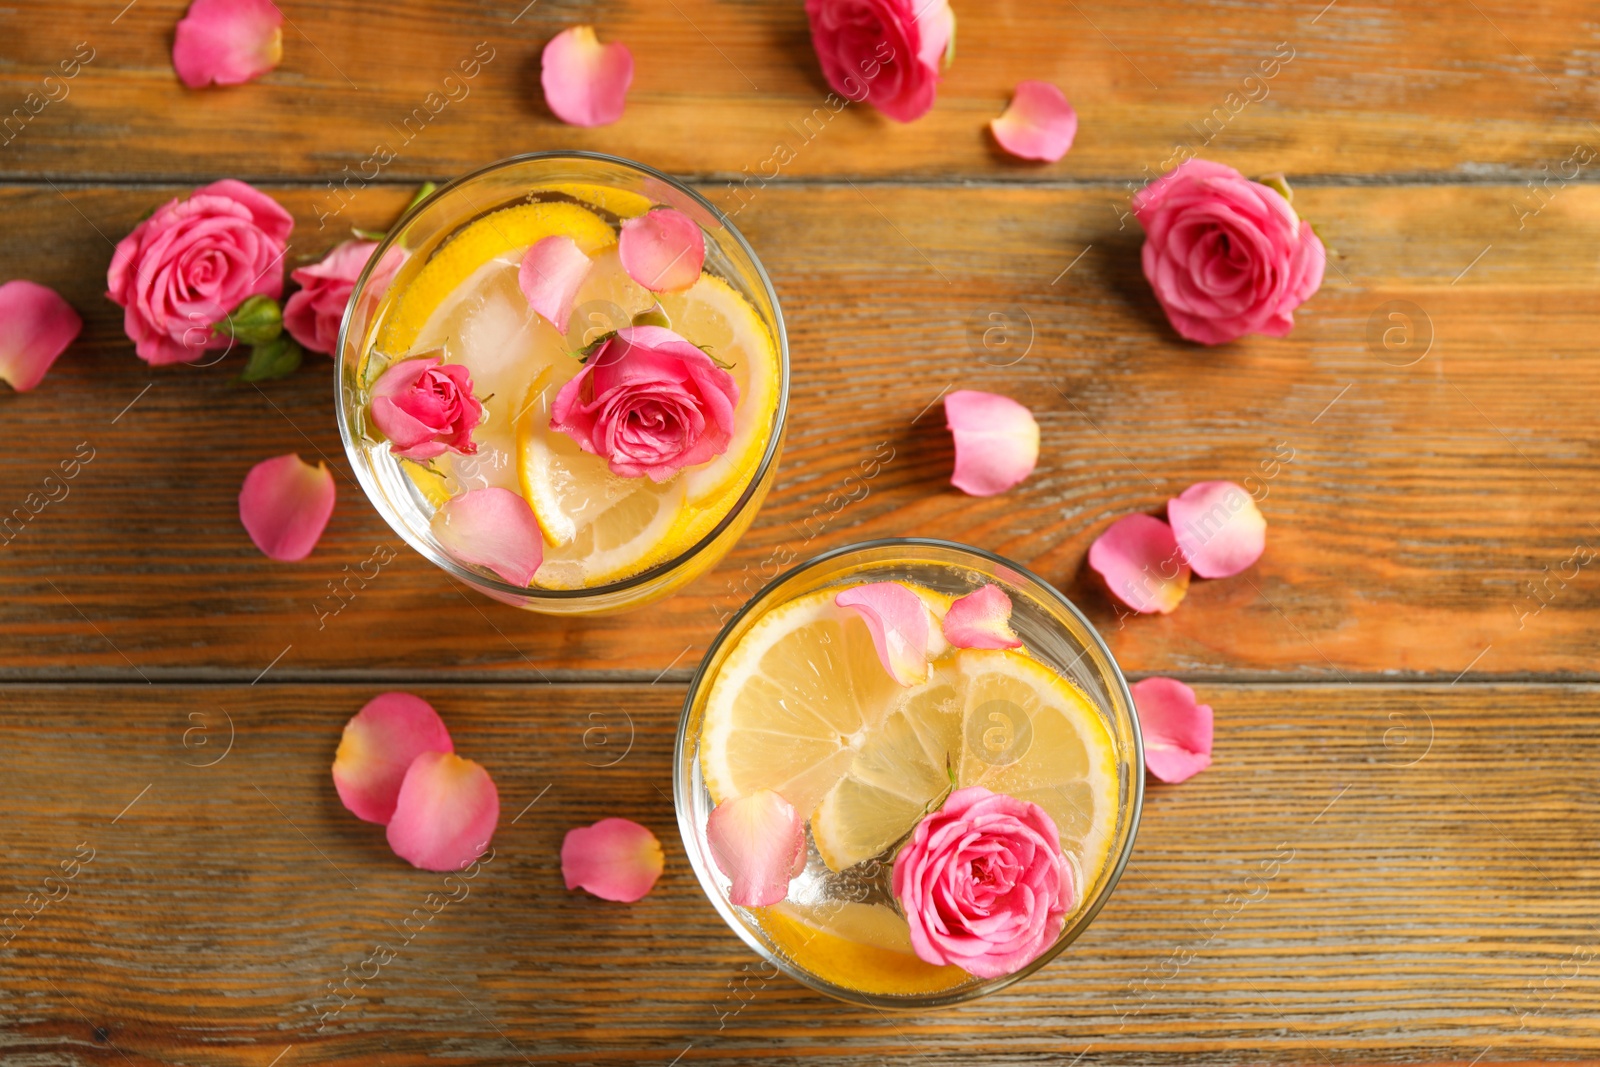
(793, 697)
(443, 284)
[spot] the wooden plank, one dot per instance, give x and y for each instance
(1419, 504)
(1431, 900)
(1356, 87)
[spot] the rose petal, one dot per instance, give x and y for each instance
(663, 250)
(981, 619)
(1040, 123)
(759, 841)
(36, 326)
(550, 275)
(379, 745)
(1219, 528)
(227, 42)
(445, 814)
(1139, 559)
(585, 81)
(1176, 729)
(997, 441)
(285, 504)
(898, 621)
(494, 528)
(615, 859)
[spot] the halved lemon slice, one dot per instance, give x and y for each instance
(865, 947)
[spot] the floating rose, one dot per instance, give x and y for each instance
(445, 814)
(378, 746)
(1139, 559)
(425, 407)
(886, 52)
(313, 314)
(997, 441)
(663, 250)
(898, 621)
(36, 326)
(285, 504)
(549, 277)
(649, 403)
(759, 842)
(1040, 123)
(1219, 529)
(984, 884)
(227, 42)
(183, 269)
(494, 528)
(615, 859)
(1226, 256)
(1176, 729)
(585, 82)
(981, 619)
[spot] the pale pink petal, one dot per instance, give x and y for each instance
(997, 441)
(1139, 559)
(550, 275)
(662, 249)
(898, 621)
(615, 859)
(285, 504)
(1219, 528)
(1176, 728)
(585, 82)
(981, 619)
(227, 42)
(758, 841)
(493, 528)
(1039, 124)
(378, 747)
(446, 812)
(36, 326)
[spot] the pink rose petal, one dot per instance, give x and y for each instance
(663, 250)
(997, 441)
(493, 528)
(1039, 124)
(550, 275)
(1139, 559)
(898, 621)
(379, 745)
(759, 841)
(445, 814)
(227, 42)
(585, 82)
(1176, 729)
(1219, 528)
(615, 859)
(285, 504)
(36, 326)
(981, 619)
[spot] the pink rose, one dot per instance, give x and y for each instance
(886, 52)
(649, 402)
(425, 407)
(313, 314)
(1226, 256)
(983, 883)
(183, 269)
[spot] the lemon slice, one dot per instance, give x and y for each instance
(792, 701)
(619, 202)
(865, 947)
(497, 234)
(999, 719)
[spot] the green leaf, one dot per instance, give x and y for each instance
(368, 235)
(277, 358)
(254, 322)
(1278, 184)
(654, 317)
(423, 192)
(582, 355)
(950, 45)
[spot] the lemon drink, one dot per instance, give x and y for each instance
(799, 702)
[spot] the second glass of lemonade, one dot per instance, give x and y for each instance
(443, 289)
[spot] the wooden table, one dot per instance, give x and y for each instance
(1405, 686)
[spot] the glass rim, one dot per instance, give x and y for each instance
(533, 593)
(688, 834)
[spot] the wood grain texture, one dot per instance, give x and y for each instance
(1432, 899)
(1425, 502)
(1370, 87)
